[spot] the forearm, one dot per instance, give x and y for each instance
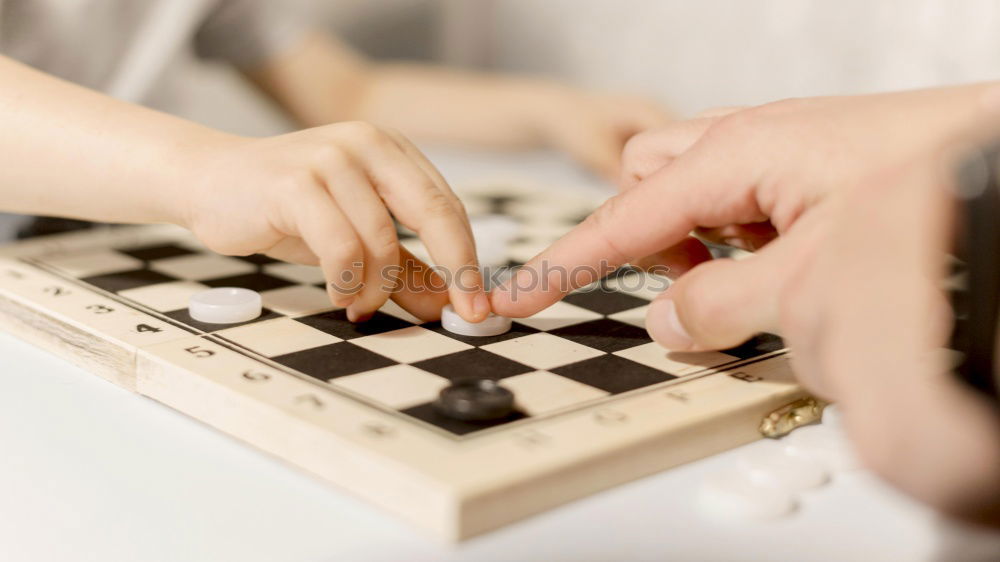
(322, 81)
(73, 152)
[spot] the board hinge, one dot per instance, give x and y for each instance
(782, 421)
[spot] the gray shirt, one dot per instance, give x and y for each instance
(120, 46)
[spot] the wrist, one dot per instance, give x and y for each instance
(187, 159)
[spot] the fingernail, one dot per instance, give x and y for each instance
(481, 305)
(355, 316)
(665, 326)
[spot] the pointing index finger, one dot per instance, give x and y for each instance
(657, 213)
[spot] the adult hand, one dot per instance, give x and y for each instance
(742, 176)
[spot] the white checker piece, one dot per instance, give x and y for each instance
(542, 350)
(541, 392)
(676, 363)
(164, 297)
(94, 262)
(398, 386)
(198, 267)
(409, 345)
(277, 337)
(297, 300)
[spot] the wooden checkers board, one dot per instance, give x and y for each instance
(597, 402)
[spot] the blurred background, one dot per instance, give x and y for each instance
(689, 55)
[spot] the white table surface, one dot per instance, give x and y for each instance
(89, 471)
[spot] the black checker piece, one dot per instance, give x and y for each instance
(612, 373)
(335, 323)
(755, 346)
(254, 281)
(605, 302)
(473, 363)
(157, 252)
(123, 280)
(517, 330)
(605, 334)
(182, 315)
(475, 400)
(335, 360)
(428, 413)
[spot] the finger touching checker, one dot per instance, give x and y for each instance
(493, 325)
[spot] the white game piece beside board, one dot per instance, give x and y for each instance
(597, 403)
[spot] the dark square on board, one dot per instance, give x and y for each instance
(257, 259)
(253, 281)
(473, 363)
(123, 280)
(335, 360)
(758, 345)
(612, 373)
(335, 323)
(605, 302)
(157, 252)
(427, 413)
(183, 316)
(516, 330)
(605, 334)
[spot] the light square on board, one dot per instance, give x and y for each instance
(277, 337)
(674, 362)
(196, 267)
(542, 351)
(305, 274)
(398, 386)
(638, 284)
(634, 316)
(164, 297)
(559, 315)
(93, 262)
(392, 309)
(411, 344)
(540, 392)
(297, 300)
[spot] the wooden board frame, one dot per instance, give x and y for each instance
(452, 487)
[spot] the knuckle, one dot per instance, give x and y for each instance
(385, 244)
(364, 132)
(437, 204)
(345, 252)
(332, 155)
(298, 184)
(602, 221)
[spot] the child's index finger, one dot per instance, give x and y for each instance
(639, 222)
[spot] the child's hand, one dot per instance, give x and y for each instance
(593, 128)
(327, 196)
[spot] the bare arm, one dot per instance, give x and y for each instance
(323, 196)
(69, 151)
(322, 81)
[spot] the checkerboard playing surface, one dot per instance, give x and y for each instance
(588, 348)
(595, 401)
